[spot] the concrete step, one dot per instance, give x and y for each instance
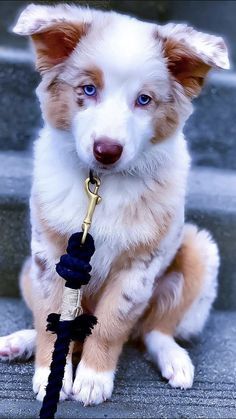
(15, 174)
(211, 203)
(20, 113)
(210, 131)
(139, 390)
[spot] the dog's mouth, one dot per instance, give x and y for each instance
(103, 168)
(120, 166)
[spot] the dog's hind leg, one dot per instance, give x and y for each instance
(181, 304)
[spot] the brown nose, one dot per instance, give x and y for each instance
(107, 151)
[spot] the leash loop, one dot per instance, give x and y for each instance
(91, 177)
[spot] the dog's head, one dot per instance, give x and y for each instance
(121, 87)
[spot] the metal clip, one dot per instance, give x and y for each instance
(94, 200)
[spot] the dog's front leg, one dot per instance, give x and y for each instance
(121, 304)
(43, 305)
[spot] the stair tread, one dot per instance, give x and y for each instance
(139, 390)
(15, 173)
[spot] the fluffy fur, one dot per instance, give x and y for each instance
(151, 272)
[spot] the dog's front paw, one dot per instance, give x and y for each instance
(91, 387)
(174, 362)
(178, 369)
(40, 381)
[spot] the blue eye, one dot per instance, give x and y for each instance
(143, 100)
(90, 90)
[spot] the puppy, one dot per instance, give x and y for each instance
(115, 94)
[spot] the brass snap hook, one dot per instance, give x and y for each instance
(94, 199)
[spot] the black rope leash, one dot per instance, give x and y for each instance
(75, 268)
(91, 177)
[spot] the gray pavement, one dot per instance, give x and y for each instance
(139, 391)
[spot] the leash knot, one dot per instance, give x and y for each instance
(77, 329)
(74, 266)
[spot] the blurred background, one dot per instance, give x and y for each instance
(211, 203)
(210, 131)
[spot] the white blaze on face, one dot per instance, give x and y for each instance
(130, 62)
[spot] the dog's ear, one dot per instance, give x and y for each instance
(55, 32)
(191, 54)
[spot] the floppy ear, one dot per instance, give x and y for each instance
(55, 32)
(191, 54)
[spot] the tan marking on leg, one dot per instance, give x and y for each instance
(26, 283)
(110, 334)
(42, 308)
(190, 262)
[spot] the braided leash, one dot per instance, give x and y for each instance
(71, 324)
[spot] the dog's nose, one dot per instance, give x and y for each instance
(106, 151)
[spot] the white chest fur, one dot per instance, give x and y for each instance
(123, 219)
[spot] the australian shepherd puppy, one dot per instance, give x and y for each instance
(115, 94)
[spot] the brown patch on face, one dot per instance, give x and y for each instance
(164, 109)
(185, 66)
(80, 102)
(64, 98)
(55, 43)
(166, 120)
(60, 104)
(94, 76)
